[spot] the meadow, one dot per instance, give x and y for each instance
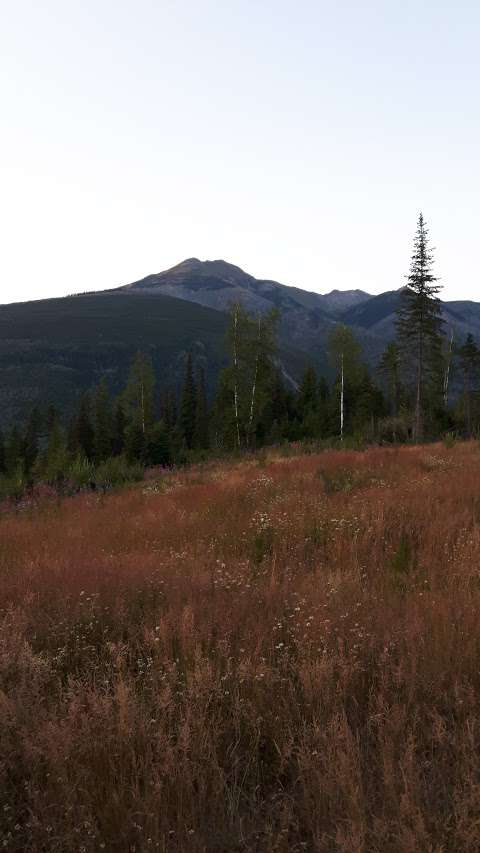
(278, 654)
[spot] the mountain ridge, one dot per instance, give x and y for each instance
(54, 349)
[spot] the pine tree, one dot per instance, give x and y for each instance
(3, 466)
(307, 393)
(390, 367)
(188, 405)
(201, 436)
(469, 355)
(159, 451)
(278, 411)
(56, 458)
(118, 429)
(419, 321)
(102, 423)
(369, 403)
(31, 437)
(81, 437)
(168, 408)
(13, 450)
(136, 441)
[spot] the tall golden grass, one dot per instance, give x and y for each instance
(277, 656)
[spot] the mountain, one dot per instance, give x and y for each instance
(306, 318)
(53, 349)
(217, 284)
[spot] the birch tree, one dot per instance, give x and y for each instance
(138, 395)
(244, 384)
(345, 353)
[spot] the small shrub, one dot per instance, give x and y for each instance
(116, 471)
(13, 485)
(402, 561)
(342, 480)
(81, 472)
(449, 440)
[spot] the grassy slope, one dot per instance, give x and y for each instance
(247, 658)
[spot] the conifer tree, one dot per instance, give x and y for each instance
(31, 437)
(56, 458)
(159, 451)
(308, 393)
(188, 405)
(201, 437)
(469, 355)
(2, 454)
(168, 408)
(118, 429)
(81, 438)
(51, 418)
(102, 423)
(136, 441)
(419, 321)
(390, 367)
(13, 450)
(278, 410)
(369, 403)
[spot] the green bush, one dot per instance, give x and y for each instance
(449, 440)
(81, 472)
(12, 485)
(342, 480)
(116, 471)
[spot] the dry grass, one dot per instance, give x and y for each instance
(280, 657)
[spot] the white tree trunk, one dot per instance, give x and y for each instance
(255, 374)
(342, 387)
(447, 371)
(235, 379)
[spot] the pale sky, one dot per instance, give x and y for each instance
(298, 140)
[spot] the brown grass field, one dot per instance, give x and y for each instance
(273, 655)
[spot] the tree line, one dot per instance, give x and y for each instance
(109, 439)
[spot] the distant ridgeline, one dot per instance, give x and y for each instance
(53, 352)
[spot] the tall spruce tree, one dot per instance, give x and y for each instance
(419, 322)
(188, 404)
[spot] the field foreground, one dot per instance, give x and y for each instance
(281, 655)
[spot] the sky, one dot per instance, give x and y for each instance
(298, 140)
